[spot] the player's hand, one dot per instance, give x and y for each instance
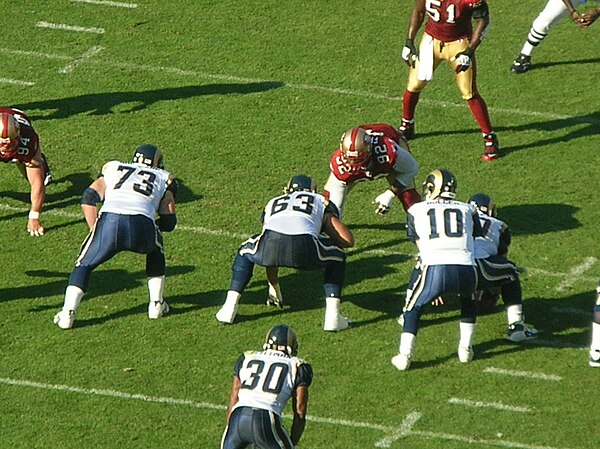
(585, 20)
(410, 53)
(464, 59)
(384, 202)
(35, 228)
(439, 301)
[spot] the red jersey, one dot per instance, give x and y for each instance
(30, 142)
(381, 162)
(450, 20)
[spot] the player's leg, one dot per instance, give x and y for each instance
(268, 431)
(594, 360)
(466, 278)
(155, 271)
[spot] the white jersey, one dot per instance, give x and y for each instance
(133, 189)
(444, 230)
(269, 378)
(487, 245)
(295, 213)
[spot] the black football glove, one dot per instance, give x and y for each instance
(410, 53)
(465, 59)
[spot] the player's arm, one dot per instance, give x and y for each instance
(481, 16)
(410, 52)
(167, 219)
(588, 18)
(91, 196)
(336, 230)
(35, 176)
(233, 395)
(574, 14)
(505, 240)
(303, 380)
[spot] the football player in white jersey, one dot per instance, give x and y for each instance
(291, 237)
(553, 12)
(444, 231)
(495, 271)
(133, 194)
(263, 382)
(595, 346)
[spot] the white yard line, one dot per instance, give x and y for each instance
(80, 59)
(405, 430)
(64, 27)
(17, 82)
(494, 405)
(298, 86)
(107, 3)
(527, 374)
(575, 273)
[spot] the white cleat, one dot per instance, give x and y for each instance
(157, 309)
(336, 323)
(227, 313)
(465, 355)
(594, 358)
(65, 319)
(518, 332)
(402, 361)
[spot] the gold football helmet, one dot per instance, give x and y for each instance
(356, 146)
(10, 133)
(440, 183)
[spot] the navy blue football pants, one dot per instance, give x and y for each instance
(262, 428)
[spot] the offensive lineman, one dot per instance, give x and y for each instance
(263, 382)
(290, 237)
(132, 194)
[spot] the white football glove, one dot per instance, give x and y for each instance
(410, 53)
(464, 58)
(384, 202)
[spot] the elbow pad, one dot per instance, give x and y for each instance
(166, 222)
(90, 197)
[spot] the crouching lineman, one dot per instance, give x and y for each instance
(19, 143)
(370, 152)
(132, 194)
(290, 237)
(494, 270)
(263, 382)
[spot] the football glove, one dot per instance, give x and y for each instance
(410, 53)
(384, 202)
(464, 58)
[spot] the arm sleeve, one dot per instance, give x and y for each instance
(505, 239)
(304, 375)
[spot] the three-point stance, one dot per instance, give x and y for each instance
(133, 194)
(291, 237)
(263, 382)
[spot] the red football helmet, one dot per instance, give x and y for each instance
(356, 146)
(10, 134)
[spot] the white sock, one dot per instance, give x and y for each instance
(595, 346)
(233, 297)
(407, 342)
(467, 331)
(275, 290)
(73, 295)
(156, 286)
(514, 313)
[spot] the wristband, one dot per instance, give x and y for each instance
(34, 215)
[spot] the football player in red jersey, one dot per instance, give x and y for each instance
(370, 152)
(19, 143)
(449, 36)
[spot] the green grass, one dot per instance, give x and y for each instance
(241, 96)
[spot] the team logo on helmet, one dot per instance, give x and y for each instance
(300, 183)
(440, 183)
(282, 338)
(483, 203)
(10, 134)
(149, 155)
(356, 146)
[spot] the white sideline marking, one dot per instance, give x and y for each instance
(575, 273)
(107, 3)
(495, 405)
(334, 90)
(528, 374)
(62, 26)
(17, 82)
(406, 424)
(86, 55)
(404, 429)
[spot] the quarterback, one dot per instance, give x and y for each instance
(370, 152)
(19, 143)
(449, 36)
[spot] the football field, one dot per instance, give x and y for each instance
(241, 96)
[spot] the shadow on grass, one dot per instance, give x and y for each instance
(103, 103)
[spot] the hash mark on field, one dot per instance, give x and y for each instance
(86, 55)
(63, 27)
(575, 273)
(495, 405)
(17, 82)
(404, 430)
(308, 87)
(107, 3)
(528, 374)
